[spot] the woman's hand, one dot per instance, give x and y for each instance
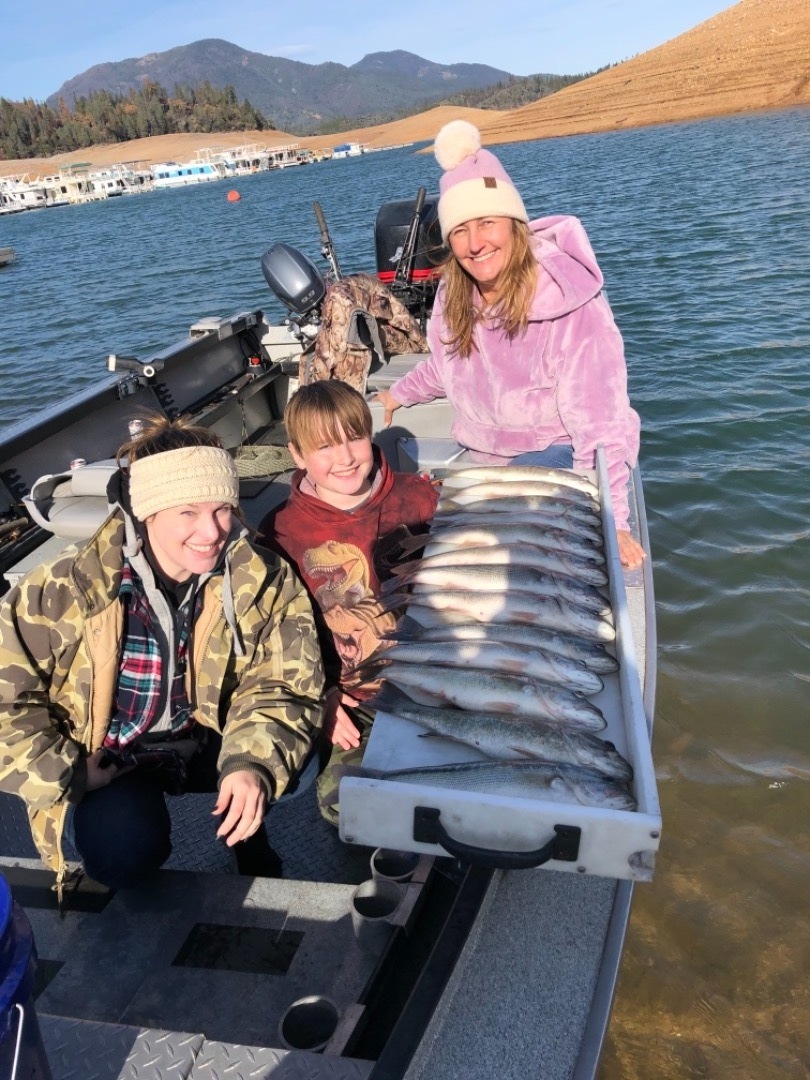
(631, 553)
(338, 726)
(243, 796)
(389, 403)
(100, 775)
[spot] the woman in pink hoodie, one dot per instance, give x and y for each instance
(522, 339)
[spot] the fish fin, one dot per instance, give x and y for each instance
(388, 699)
(403, 569)
(369, 669)
(408, 629)
(394, 600)
(395, 584)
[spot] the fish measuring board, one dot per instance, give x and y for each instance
(613, 843)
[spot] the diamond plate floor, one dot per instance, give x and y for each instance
(84, 1050)
(188, 978)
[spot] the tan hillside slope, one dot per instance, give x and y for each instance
(754, 55)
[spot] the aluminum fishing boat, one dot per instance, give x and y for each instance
(481, 970)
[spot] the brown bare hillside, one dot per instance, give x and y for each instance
(754, 55)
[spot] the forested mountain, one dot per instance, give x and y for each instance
(294, 96)
(30, 129)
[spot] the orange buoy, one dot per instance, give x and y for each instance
(234, 196)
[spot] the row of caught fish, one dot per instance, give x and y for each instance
(504, 635)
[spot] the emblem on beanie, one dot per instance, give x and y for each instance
(490, 181)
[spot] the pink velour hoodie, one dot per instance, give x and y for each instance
(562, 381)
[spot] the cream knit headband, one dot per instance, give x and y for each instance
(192, 474)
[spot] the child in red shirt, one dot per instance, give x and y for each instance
(339, 528)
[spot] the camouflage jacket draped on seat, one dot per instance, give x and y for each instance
(60, 642)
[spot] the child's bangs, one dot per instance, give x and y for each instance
(324, 413)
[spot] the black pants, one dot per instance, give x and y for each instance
(122, 832)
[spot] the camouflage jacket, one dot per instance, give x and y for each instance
(60, 642)
(360, 318)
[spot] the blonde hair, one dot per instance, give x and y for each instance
(325, 412)
(511, 310)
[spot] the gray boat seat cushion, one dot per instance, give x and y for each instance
(72, 504)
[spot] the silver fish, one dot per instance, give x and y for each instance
(590, 653)
(506, 579)
(578, 538)
(511, 474)
(524, 489)
(496, 656)
(503, 502)
(494, 692)
(550, 612)
(526, 780)
(505, 738)
(518, 555)
(584, 524)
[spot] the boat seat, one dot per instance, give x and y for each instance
(72, 504)
(381, 376)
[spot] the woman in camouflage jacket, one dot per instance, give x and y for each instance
(164, 653)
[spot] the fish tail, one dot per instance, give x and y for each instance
(409, 544)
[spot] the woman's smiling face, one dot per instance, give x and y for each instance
(189, 539)
(483, 248)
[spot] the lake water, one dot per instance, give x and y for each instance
(702, 231)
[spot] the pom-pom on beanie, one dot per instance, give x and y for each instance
(475, 184)
(191, 474)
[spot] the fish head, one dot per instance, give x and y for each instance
(606, 793)
(602, 756)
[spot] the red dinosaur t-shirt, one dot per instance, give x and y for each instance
(343, 555)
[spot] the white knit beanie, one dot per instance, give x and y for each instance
(475, 184)
(192, 474)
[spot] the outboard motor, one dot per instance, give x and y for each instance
(298, 283)
(294, 278)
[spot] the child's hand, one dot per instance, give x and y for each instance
(338, 726)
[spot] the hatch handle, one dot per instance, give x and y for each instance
(563, 846)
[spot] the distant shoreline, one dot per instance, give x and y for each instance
(184, 147)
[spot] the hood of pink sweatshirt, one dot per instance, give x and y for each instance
(572, 276)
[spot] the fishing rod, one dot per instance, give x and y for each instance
(327, 248)
(402, 277)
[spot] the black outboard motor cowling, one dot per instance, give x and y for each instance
(409, 249)
(391, 232)
(294, 278)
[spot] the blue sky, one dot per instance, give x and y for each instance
(47, 42)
